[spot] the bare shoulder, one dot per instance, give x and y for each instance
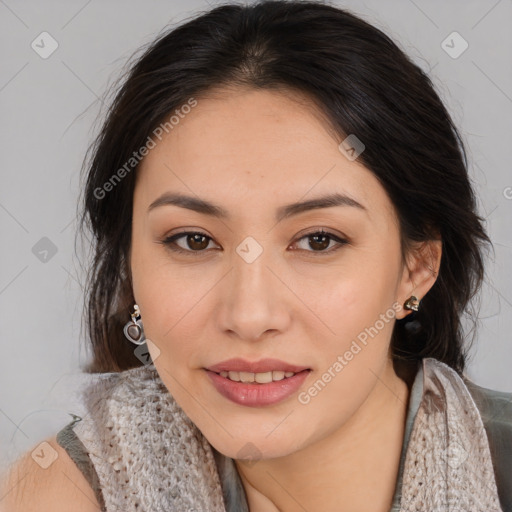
(46, 479)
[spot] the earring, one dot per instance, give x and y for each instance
(133, 330)
(412, 303)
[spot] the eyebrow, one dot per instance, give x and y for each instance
(207, 208)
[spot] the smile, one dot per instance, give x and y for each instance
(257, 389)
(260, 378)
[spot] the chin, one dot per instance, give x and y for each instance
(249, 448)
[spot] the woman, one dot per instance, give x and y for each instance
(286, 239)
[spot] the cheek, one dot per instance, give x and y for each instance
(169, 301)
(357, 317)
(354, 297)
(162, 290)
(360, 315)
(360, 326)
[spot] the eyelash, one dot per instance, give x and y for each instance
(169, 242)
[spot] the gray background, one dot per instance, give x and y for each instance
(48, 112)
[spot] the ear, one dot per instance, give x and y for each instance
(419, 273)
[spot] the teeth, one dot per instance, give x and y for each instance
(279, 375)
(247, 377)
(261, 378)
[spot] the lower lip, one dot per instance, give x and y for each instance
(254, 394)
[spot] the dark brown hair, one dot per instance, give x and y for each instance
(363, 83)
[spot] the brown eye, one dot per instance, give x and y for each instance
(319, 241)
(197, 241)
(194, 242)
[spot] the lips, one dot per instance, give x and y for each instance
(257, 395)
(253, 384)
(261, 366)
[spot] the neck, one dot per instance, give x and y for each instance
(354, 469)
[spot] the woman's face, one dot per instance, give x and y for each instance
(256, 283)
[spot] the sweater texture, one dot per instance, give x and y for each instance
(141, 453)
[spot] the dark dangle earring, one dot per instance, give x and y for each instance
(133, 330)
(412, 326)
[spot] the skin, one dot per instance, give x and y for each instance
(252, 152)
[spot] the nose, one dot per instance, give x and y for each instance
(255, 301)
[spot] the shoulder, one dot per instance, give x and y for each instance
(496, 411)
(495, 406)
(46, 479)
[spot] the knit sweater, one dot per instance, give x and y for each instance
(141, 453)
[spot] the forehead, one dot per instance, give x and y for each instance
(269, 146)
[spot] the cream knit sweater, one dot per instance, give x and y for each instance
(147, 455)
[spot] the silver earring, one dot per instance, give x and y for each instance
(133, 330)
